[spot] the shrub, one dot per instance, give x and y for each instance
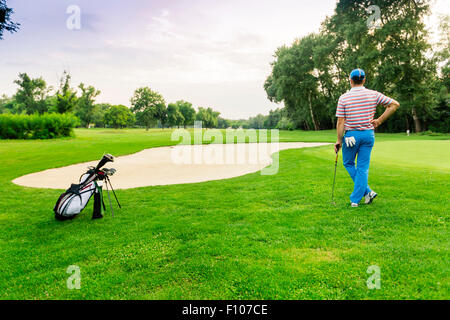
(46, 126)
(285, 124)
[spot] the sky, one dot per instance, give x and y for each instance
(212, 53)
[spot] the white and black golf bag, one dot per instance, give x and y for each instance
(72, 202)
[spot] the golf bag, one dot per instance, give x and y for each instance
(72, 202)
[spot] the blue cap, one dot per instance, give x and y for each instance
(358, 74)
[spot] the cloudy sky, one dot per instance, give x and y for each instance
(213, 53)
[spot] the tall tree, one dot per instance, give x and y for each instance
(293, 82)
(31, 94)
(66, 97)
(86, 104)
(311, 74)
(187, 111)
(5, 19)
(146, 104)
(441, 119)
(394, 55)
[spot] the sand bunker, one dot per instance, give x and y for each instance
(173, 165)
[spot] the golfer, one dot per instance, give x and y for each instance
(355, 132)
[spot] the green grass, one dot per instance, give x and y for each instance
(251, 237)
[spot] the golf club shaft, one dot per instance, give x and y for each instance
(109, 198)
(335, 172)
(114, 192)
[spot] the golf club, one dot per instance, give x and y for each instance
(106, 158)
(334, 180)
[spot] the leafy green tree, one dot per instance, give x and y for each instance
(293, 81)
(223, 123)
(85, 108)
(161, 114)
(257, 122)
(395, 56)
(7, 104)
(441, 119)
(285, 124)
(119, 117)
(208, 116)
(187, 111)
(311, 74)
(66, 97)
(273, 118)
(98, 117)
(147, 106)
(31, 94)
(174, 116)
(5, 19)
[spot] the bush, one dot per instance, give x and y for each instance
(285, 124)
(46, 126)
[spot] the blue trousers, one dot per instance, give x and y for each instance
(359, 173)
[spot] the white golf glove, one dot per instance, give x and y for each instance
(350, 142)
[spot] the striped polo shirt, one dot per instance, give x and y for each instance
(358, 107)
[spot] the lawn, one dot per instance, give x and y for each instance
(251, 237)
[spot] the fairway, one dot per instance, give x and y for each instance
(249, 237)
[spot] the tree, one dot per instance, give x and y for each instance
(31, 94)
(174, 116)
(273, 118)
(223, 123)
(395, 56)
(86, 104)
(161, 114)
(257, 122)
(187, 111)
(311, 74)
(5, 19)
(441, 119)
(208, 116)
(66, 97)
(119, 117)
(293, 81)
(7, 104)
(98, 117)
(147, 106)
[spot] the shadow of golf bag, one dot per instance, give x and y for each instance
(72, 202)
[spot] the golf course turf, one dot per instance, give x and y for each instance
(250, 237)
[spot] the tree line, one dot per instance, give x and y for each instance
(148, 107)
(307, 77)
(397, 55)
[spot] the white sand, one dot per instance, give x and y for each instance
(171, 165)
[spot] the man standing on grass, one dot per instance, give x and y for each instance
(356, 124)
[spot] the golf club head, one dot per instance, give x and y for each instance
(106, 158)
(109, 172)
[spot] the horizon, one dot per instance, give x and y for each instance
(185, 50)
